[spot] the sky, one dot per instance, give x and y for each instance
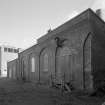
(22, 22)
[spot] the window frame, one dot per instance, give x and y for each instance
(46, 62)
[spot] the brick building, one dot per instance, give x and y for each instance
(74, 53)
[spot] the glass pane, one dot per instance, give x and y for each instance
(33, 64)
(45, 62)
(10, 71)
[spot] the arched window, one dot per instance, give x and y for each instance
(14, 71)
(46, 62)
(33, 64)
(87, 73)
(10, 72)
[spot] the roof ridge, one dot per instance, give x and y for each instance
(70, 22)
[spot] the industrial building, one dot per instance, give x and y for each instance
(72, 53)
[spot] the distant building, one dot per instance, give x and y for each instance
(7, 53)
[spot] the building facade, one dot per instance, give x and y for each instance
(13, 71)
(7, 53)
(73, 53)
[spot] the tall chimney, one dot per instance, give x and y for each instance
(98, 12)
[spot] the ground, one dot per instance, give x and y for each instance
(14, 92)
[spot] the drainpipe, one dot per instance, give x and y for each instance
(59, 44)
(83, 67)
(39, 67)
(55, 59)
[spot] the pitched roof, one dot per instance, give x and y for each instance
(84, 15)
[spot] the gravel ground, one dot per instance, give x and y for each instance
(14, 92)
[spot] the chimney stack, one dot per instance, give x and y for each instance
(98, 12)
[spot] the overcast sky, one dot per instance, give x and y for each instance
(23, 21)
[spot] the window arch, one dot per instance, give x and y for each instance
(87, 76)
(33, 64)
(45, 59)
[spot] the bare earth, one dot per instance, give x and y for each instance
(14, 92)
